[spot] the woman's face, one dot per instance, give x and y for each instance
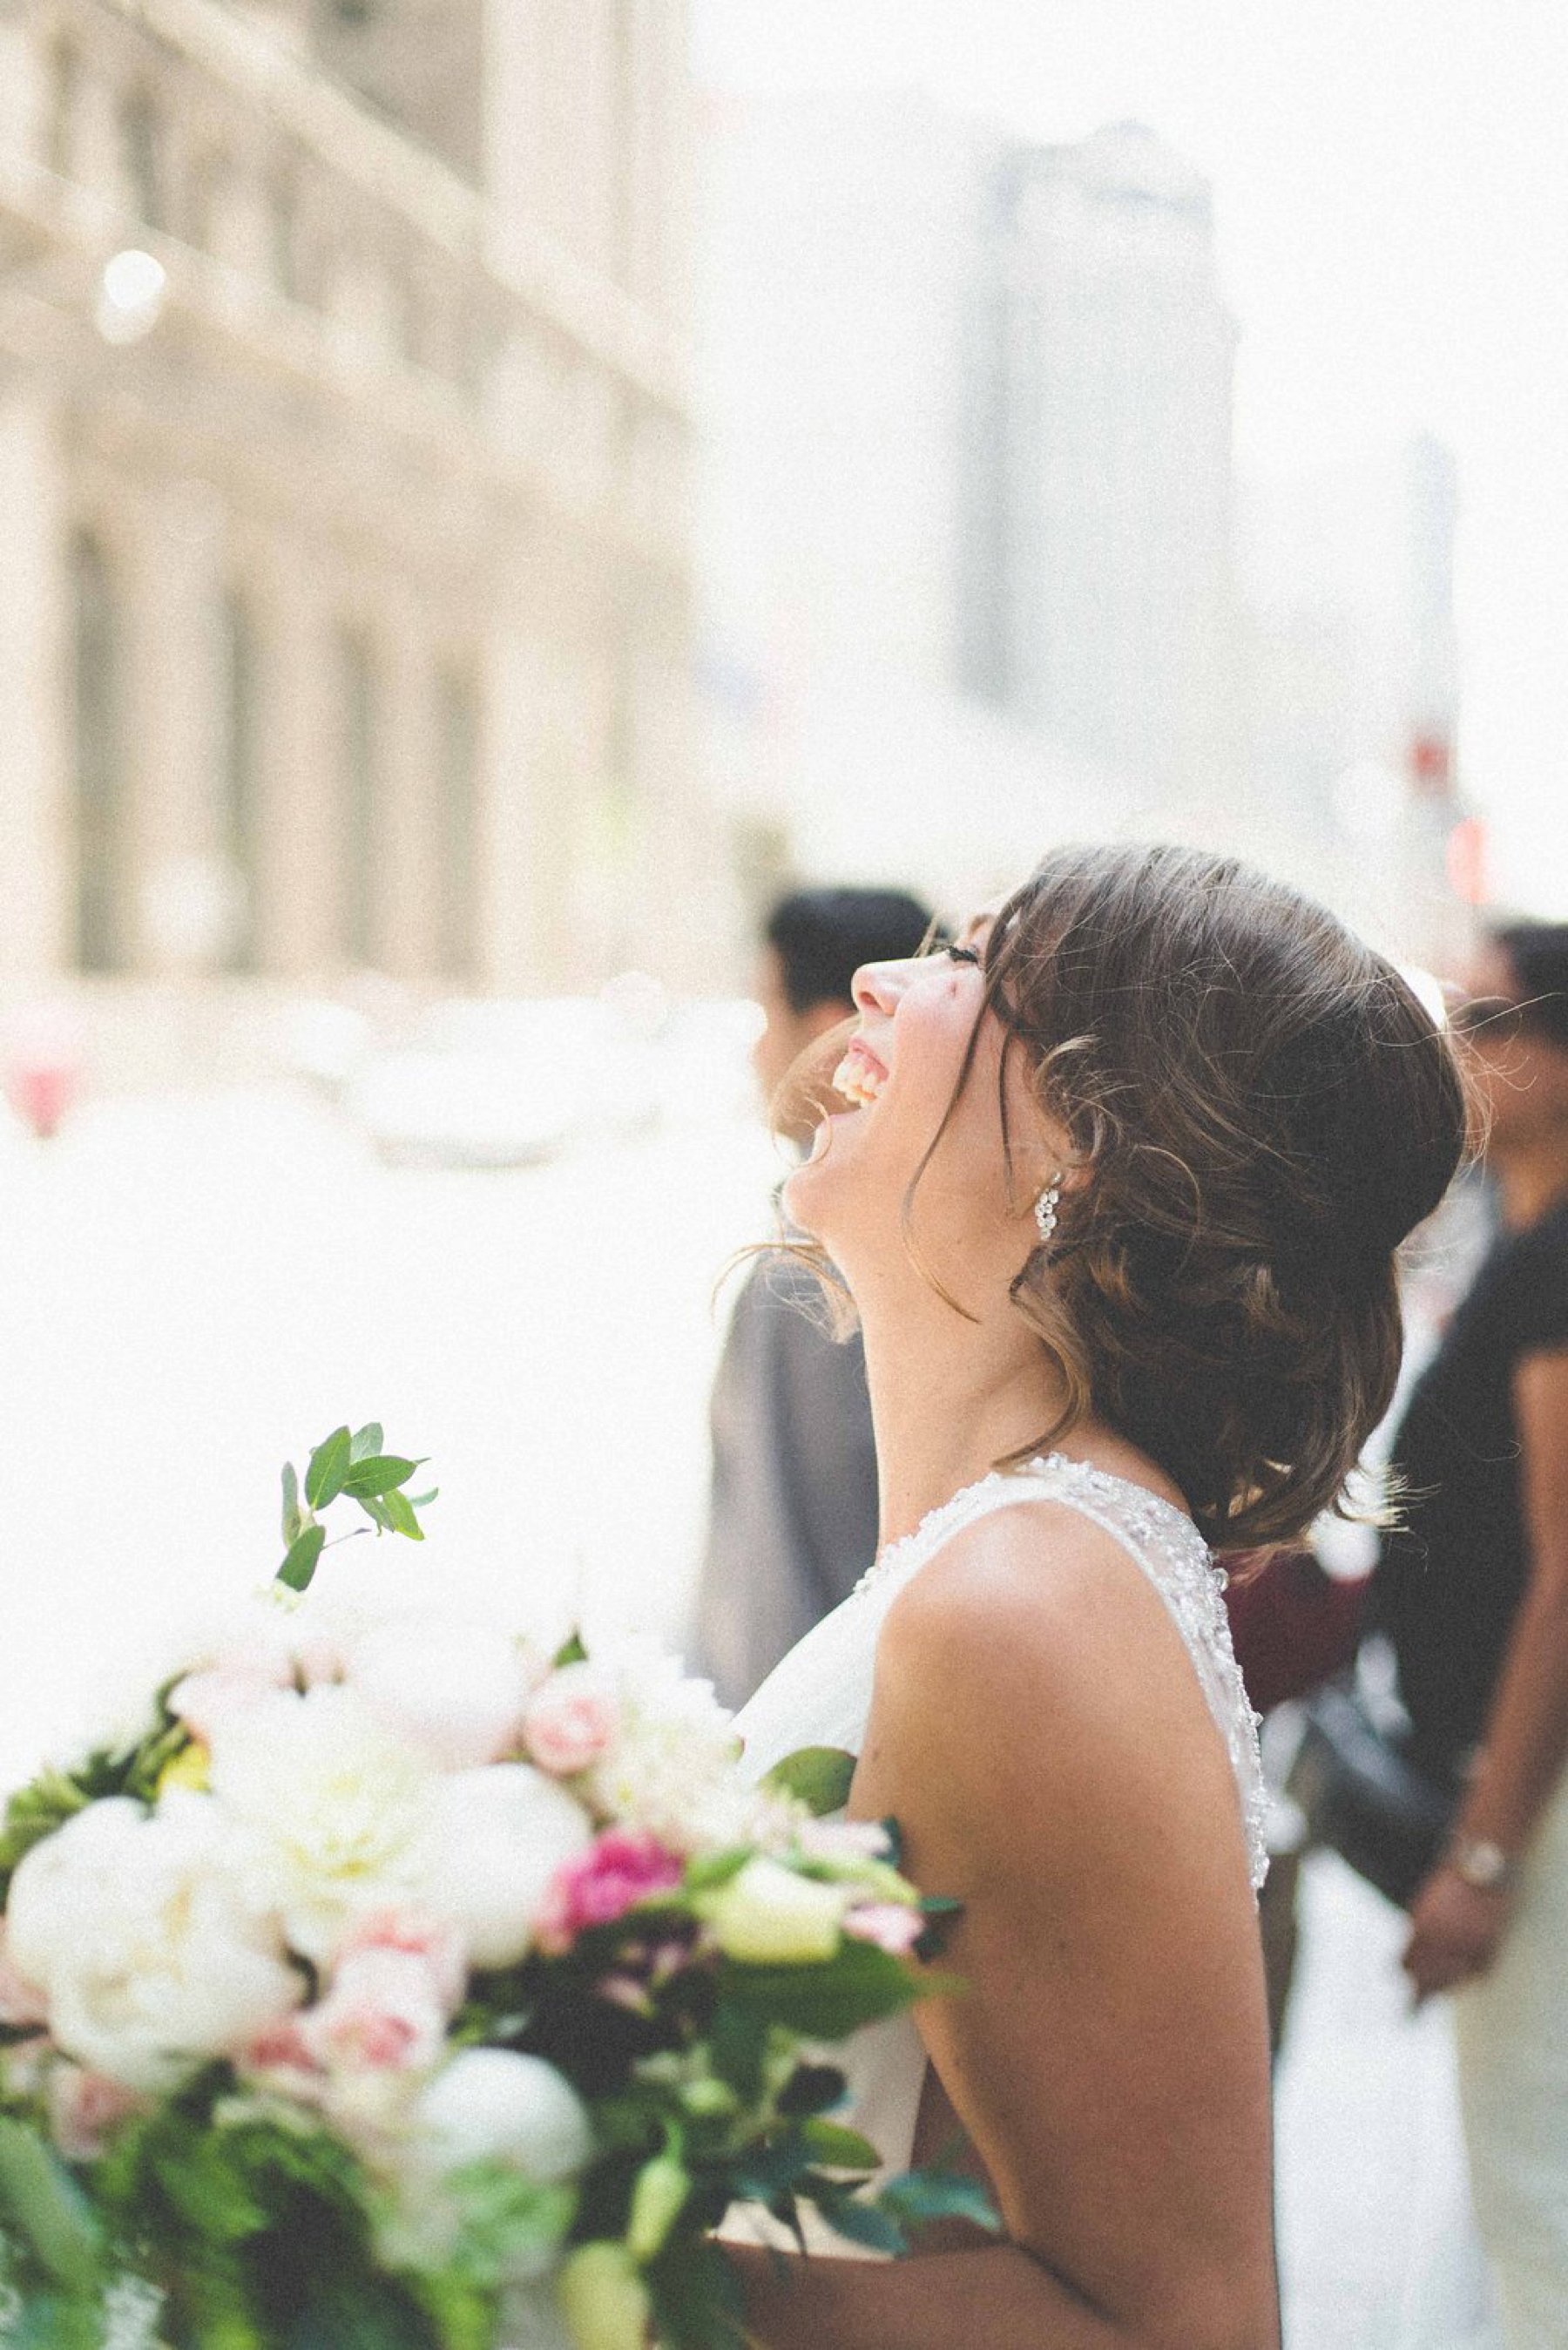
(896, 1081)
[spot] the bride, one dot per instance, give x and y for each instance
(1124, 1174)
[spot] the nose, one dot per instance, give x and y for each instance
(877, 987)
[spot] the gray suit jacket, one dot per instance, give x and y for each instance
(792, 1513)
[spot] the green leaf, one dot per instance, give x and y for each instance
(819, 1776)
(329, 1468)
(292, 1518)
(366, 1441)
(699, 2301)
(861, 2221)
(377, 1473)
(570, 1652)
(813, 2089)
(47, 2206)
(917, 2197)
(706, 1875)
(830, 2001)
(401, 1516)
(839, 2149)
(423, 1501)
(303, 1555)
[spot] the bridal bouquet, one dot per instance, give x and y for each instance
(400, 1985)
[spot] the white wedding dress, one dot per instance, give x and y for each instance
(821, 1696)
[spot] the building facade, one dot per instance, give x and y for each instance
(345, 441)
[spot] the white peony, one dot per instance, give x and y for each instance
(138, 1932)
(456, 1691)
(671, 1771)
(491, 2105)
(338, 1813)
(500, 1836)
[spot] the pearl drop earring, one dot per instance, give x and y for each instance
(1046, 1208)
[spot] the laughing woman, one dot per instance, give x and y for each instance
(1117, 1197)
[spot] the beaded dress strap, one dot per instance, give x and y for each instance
(1165, 1544)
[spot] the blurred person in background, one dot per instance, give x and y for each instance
(792, 1507)
(1472, 1593)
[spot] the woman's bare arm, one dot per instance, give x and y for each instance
(1039, 1734)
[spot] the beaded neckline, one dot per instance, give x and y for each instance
(1078, 1475)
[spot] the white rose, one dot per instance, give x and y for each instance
(491, 2105)
(337, 1811)
(670, 1769)
(456, 1691)
(135, 1929)
(770, 1917)
(500, 1836)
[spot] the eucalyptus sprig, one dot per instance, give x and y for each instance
(347, 1465)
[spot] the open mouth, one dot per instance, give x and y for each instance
(859, 1076)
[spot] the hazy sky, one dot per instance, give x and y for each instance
(1391, 185)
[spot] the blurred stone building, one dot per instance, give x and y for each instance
(344, 445)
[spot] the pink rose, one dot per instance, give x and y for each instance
(570, 1720)
(24, 2064)
(888, 1924)
(21, 2002)
(384, 2012)
(438, 1946)
(281, 2058)
(84, 2107)
(616, 1873)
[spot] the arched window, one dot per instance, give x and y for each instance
(361, 784)
(64, 95)
(100, 777)
(457, 821)
(239, 774)
(141, 147)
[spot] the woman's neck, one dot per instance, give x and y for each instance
(949, 1399)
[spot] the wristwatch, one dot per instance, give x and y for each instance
(1480, 1863)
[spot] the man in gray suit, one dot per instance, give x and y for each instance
(793, 1512)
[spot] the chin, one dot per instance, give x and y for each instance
(808, 1190)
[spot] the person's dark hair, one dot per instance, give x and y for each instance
(1537, 955)
(822, 937)
(1265, 1110)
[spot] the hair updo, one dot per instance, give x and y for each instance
(1265, 1110)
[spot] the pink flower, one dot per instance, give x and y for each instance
(21, 2002)
(616, 1873)
(888, 1924)
(281, 2058)
(23, 2065)
(570, 1720)
(384, 2012)
(439, 1947)
(84, 2107)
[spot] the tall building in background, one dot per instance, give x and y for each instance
(1100, 605)
(345, 585)
(965, 545)
(1352, 690)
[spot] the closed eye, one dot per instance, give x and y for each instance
(962, 954)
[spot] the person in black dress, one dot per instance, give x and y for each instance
(1472, 1591)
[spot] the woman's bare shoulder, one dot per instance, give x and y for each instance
(1033, 1652)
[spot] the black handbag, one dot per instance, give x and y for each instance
(1362, 1795)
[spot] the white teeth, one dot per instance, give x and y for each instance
(857, 1081)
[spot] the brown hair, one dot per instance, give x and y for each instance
(1265, 1110)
